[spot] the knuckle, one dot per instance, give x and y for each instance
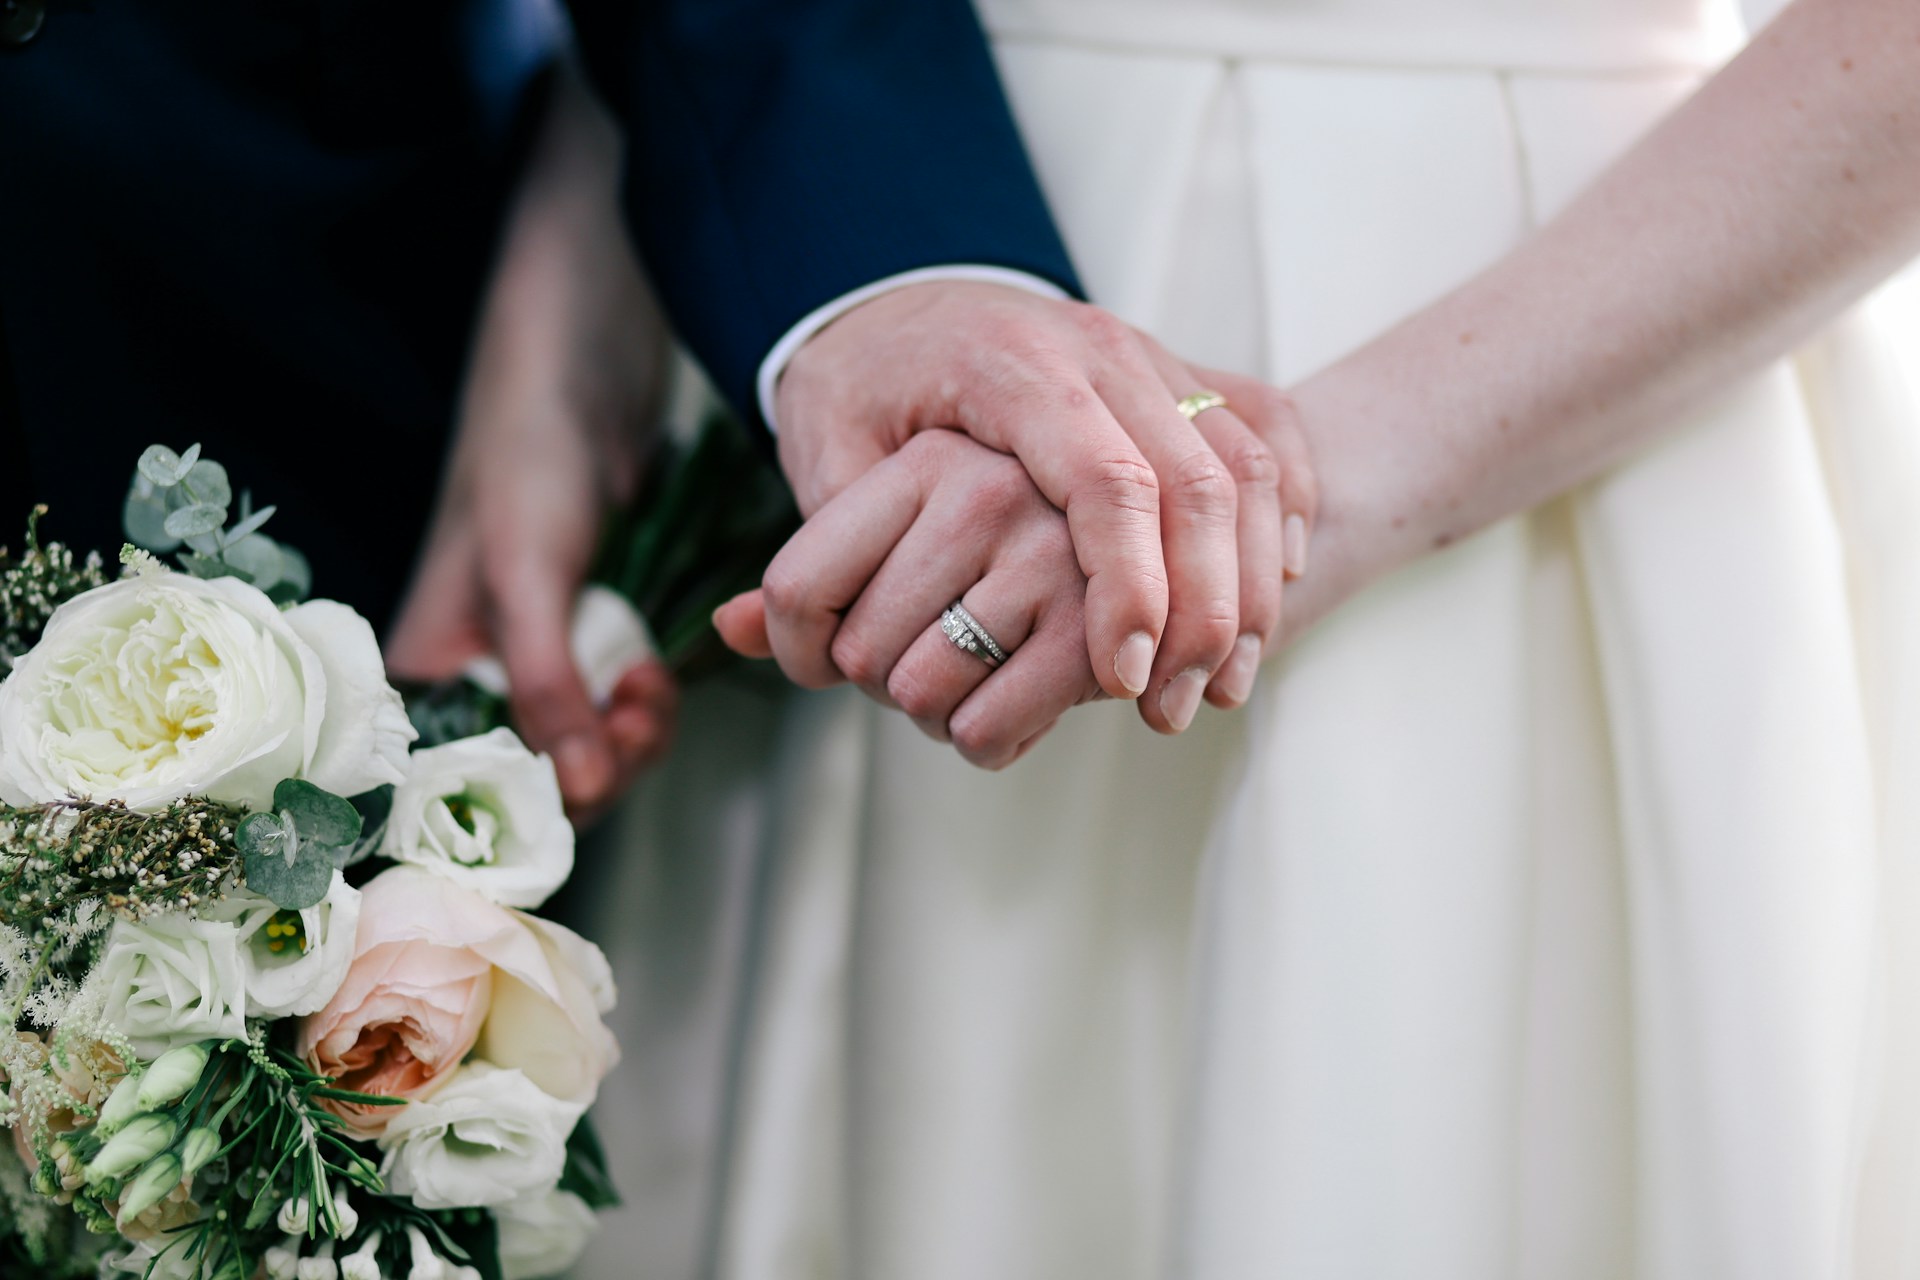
(914, 696)
(1126, 482)
(1206, 636)
(1273, 408)
(857, 660)
(979, 740)
(784, 590)
(1252, 463)
(1104, 331)
(1002, 490)
(1201, 483)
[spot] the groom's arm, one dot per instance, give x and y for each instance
(787, 156)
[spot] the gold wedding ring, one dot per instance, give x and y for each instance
(1199, 402)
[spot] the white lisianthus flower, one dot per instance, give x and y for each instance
(295, 960)
(161, 686)
(173, 980)
(487, 813)
(159, 1259)
(608, 639)
(542, 1235)
(488, 1136)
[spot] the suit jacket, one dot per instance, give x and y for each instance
(266, 225)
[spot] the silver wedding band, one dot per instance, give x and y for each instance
(969, 636)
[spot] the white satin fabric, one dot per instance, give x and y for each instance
(1553, 910)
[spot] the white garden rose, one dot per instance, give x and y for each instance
(485, 812)
(165, 685)
(295, 960)
(608, 639)
(172, 980)
(543, 1234)
(488, 1136)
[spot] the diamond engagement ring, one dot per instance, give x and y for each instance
(969, 636)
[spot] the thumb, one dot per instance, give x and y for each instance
(550, 703)
(742, 624)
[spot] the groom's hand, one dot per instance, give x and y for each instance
(502, 568)
(1178, 525)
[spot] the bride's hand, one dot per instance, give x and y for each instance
(562, 383)
(853, 597)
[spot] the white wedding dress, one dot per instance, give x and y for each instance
(1553, 912)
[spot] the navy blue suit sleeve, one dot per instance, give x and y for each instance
(782, 153)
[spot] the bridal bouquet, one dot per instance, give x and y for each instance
(277, 1004)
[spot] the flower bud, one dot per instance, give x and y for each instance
(426, 1263)
(295, 1217)
(172, 1075)
(202, 1145)
(160, 1176)
(344, 1212)
(364, 1264)
(122, 1105)
(281, 1263)
(144, 1138)
(316, 1269)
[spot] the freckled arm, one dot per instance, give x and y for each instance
(1778, 194)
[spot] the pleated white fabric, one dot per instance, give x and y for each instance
(1552, 912)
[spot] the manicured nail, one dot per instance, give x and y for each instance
(1235, 678)
(1293, 550)
(1181, 697)
(1133, 665)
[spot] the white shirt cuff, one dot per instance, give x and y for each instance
(783, 351)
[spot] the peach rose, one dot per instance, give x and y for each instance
(439, 971)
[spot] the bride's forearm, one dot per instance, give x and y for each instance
(1784, 189)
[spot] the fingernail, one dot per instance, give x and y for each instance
(1294, 545)
(582, 765)
(1235, 679)
(1182, 697)
(1134, 663)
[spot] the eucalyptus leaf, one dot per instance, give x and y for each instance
(206, 544)
(296, 577)
(256, 559)
(145, 519)
(207, 483)
(199, 518)
(280, 865)
(263, 835)
(319, 816)
(164, 468)
(207, 566)
(249, 523)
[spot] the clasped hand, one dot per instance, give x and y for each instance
(973, 442)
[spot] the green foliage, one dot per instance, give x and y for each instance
(183, 500)
(710, 518)
(56, 859)
(291, 853)
(34, 584)
(278, 1144)
(586, 1173)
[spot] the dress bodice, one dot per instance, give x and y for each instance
(1596, 35)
